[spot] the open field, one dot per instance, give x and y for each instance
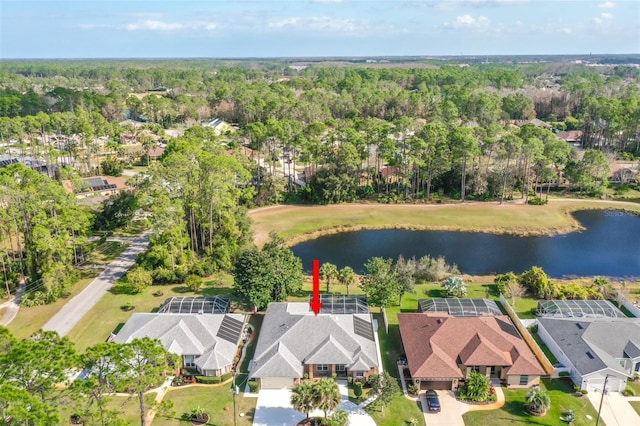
(514, 411)
(298, 223)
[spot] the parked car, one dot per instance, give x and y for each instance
(433, 402)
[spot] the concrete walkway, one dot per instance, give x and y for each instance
(616, 410)
(12, 306)
(73, 311)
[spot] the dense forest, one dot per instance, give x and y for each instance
(312, 133)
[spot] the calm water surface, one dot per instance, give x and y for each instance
(610, 246)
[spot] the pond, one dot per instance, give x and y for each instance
(610, 246)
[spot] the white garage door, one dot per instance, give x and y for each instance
(276, 383)
(614, 384)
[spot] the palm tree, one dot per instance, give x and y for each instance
(327, 395)
(538, 402)
(303, 398)
(328, 272)
(347, 276)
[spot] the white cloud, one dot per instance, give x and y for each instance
(607, 5)
(94, 26)
(155, 25)
(457, 4)
(603, 19)
(481, 23)
(152, 25)
(604, 22)
(321, 23)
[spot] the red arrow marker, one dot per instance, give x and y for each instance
(316, 304)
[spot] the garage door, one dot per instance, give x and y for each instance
(276, 383)
(614, 384)
(437, 385)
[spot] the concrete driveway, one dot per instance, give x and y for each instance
(451, 410)
(274, 409)
(616, 410)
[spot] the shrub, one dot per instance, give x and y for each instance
(412, 389)
(537, 201)
(357, 389)
(227, 376)
(584, 391)
(209, 380)
(564, 374)
(538, 402)
(254, 386)
(350, 380)
(194, 282)
(629, 392)
(454, 287)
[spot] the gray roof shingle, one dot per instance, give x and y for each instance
(593, 344)
(185, 334)
(291, 335)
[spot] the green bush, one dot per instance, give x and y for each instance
(209, 380)
(254, 386)
(584, 391)
(537, 201)
(227, 376)
(564, 374)
(412, 389)
(629, 392)
(357, 389)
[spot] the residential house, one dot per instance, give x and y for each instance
(442, 350)
(595, 348)
(294, 343)
(220, 126)
(199, 329)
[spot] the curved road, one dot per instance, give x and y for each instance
(73, 311)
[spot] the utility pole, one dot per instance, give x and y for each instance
(233, 389)
(604, 389)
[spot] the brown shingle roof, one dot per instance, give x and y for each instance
(434, 344)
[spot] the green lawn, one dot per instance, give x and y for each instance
(399, 412)
(256, 321)
(514, 411)
(550, 356)
(636, 406)
(126, 406)
(634, 386)
(105, 253)
(216, 401)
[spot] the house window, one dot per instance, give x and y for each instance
(340, 367)
(322, 367)
(359, 373)
(189, 361)
(524, 380)
(475, 368)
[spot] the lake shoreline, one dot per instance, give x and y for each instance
(307, 222)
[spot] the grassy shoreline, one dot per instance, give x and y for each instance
(298, 223)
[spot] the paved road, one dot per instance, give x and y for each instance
(73, 311)
(12, 306)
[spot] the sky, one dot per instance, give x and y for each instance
(311, 28)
